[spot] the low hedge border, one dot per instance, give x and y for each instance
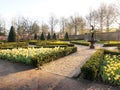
(11, 45)
(53, 46)
(110, 45)
(90, 70)
(38, 60)
(111, 52)
(80, 43)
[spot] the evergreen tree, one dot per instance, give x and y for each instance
(66, 37)
(48, 37)
(12, 35)
(54, 36)
(42, 36)
(35, 36)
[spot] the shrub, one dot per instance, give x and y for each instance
(12, 35)
(90, 69)
(66, 36)
(35, 36)
(42, 59)
(10, 45)
(33, 42)
(59, 43)
(54, 36)
(118, 47)
(111, 52)
(111, 43)
(80, 42)
(42, 36)
(48, 37)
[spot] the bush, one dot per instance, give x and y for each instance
(35, 36)
(80, 43)
(10, 45)
(119, 47)
(42, 36)
(90, 69)
(59, 43)
(48, 37)
(54, 36)
(111, 43)
(39, 60)
(12, 35)
(33, 42)
(66, 36)
(111, 52)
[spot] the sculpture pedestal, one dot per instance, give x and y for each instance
(92, 44)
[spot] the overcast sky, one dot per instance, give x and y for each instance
(42, 9)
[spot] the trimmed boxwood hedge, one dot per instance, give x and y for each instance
(10, 45)
(110, 44)
(38, 60)
(91, 68)
(80, 43)
(111, 52)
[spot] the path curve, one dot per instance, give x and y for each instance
(70, 65)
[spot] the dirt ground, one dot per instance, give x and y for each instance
(14, 76)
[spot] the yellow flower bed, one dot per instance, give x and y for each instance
(111, 69)
(25, 55)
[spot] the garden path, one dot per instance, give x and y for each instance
(70, 65)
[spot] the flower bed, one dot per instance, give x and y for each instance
(35, 56)
(104, 66)
(110, 69)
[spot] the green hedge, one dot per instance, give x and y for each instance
(118, 47)
(111, 52)
(91, 68)
(81, 43)
(10, 45)
(53, 46)
(111, 43)
(40, 60)
(57, 43)
(33, 42)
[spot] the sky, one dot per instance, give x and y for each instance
(41, 10)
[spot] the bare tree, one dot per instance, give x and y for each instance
(101, 15)
(2, 26)
(44, 28)
(110, 15)
(24, 26)
(69, 28)
(82, 25)
(35, 27)
(53, 22)
(74, 21)
(117, 20)
(62, 25)
(78, 23)
(92, 18)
